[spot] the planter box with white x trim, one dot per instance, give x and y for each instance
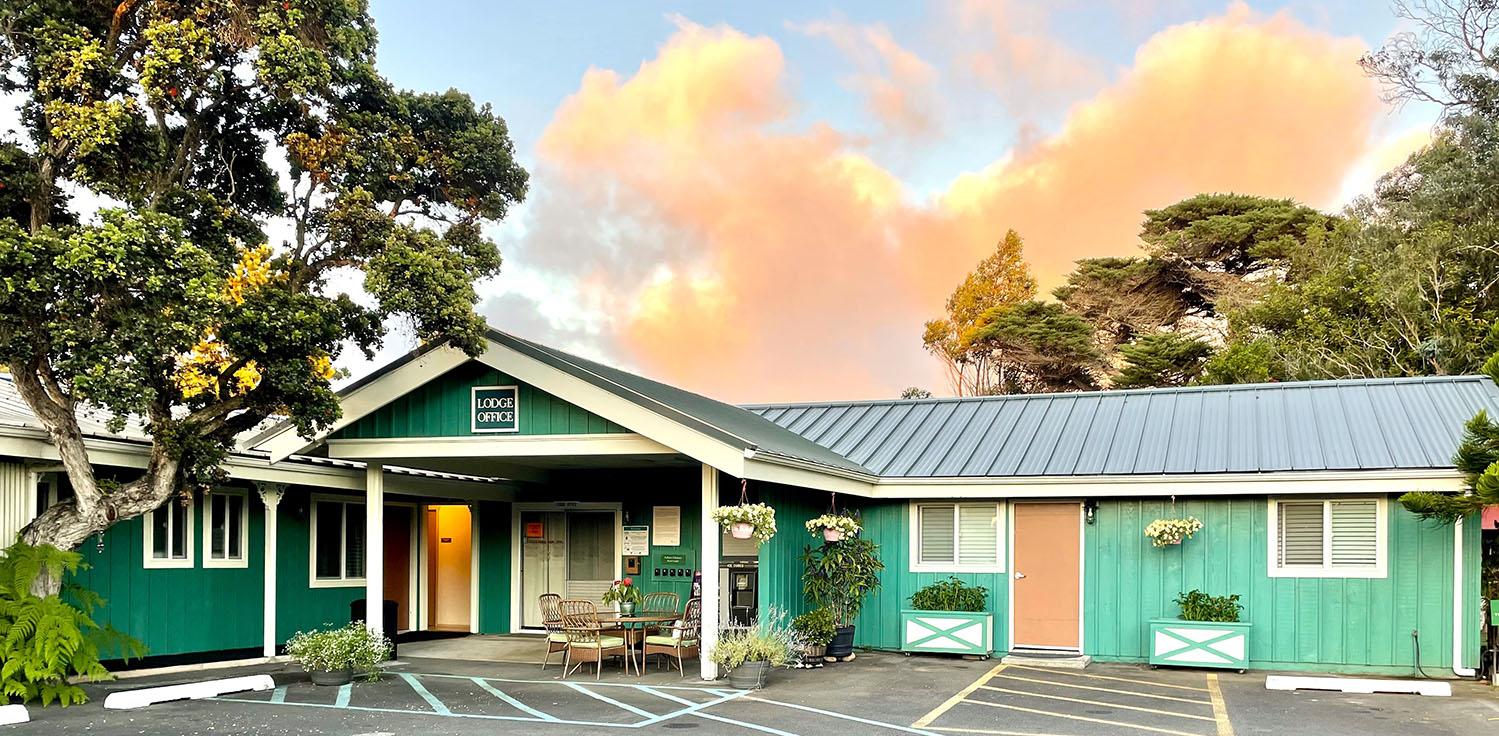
(1199, 643)
(951, 632)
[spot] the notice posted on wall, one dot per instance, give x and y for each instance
(637, 541)
(668, 523)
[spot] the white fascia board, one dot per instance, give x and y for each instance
(792, 472)
(498, 446)
(369, 397)
(621, 411)
(1365, 482)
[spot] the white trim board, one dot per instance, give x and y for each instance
(536, 445)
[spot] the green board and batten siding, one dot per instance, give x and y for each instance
(441, 408)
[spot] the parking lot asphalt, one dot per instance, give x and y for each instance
(875, 694)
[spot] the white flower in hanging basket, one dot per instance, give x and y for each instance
(1163, 532)
(760, 518)
(834, 528)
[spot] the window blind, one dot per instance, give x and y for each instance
(1301, 534)
(978, 533)
(1354, 534)
(936, 544)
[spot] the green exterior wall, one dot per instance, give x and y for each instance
(300, 607)
(440, 408)
(178, 610)
(1298, 623)
(493, 548)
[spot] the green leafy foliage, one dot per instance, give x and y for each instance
(1199, 606)
(1162, 359)
(351, 647)
(1478, 459)
(771, 640)
(1041, 347)
(951, 594)
(1002, 279)
(840, 576)
(815, 627)
(44, 640)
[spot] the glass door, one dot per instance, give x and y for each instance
(543, 561)
(571, 553)
(590, 554)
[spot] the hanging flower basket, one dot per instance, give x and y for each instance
(1163, 532)
(747, 520)
(834, 528)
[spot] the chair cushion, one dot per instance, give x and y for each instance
(607, 642)
(670, 641)
(557, 636)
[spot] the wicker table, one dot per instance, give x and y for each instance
(633, 627)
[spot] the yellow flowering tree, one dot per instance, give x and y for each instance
(173, 306)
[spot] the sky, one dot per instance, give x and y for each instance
(765, 201)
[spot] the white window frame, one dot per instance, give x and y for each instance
(1381, 541)
(244, 530)
(148, 522)
(1000, 547)
(54, 490)
(313, 581)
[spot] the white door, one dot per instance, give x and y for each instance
(543, 561)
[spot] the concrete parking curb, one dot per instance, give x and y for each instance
(1358, 686)
(13, 714)
(129, 699)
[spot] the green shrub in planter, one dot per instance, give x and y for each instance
(951, 594)
(353, 647)
(1199, 606)
(814, 627)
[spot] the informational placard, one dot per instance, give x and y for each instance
(668, 523)
(637, 541)
(493, 409)
(535, 530)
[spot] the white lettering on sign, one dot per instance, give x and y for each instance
(495, 409)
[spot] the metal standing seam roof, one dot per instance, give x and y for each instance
(1349, 424)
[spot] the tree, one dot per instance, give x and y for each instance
(1125, 297)
(1038, 346)
(1003, 278)
(173, 306)
(1162, 359)
(1478, 460)
(1448, 58)
(915, 392)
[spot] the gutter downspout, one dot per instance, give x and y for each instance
(1457, 603)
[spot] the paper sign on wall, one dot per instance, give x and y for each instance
(535, 530)
(668, 523)
(637, 541)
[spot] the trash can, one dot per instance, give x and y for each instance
(388, 620)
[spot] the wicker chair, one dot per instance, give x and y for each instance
(659, 604)
(682, 641)
(551, 619)
(586, 642)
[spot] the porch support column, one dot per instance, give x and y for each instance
(270, 495)
(709, 567)
(374, 547)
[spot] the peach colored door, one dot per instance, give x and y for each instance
(1047, 573)
(452, 568)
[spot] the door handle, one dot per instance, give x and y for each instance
(1019, 575)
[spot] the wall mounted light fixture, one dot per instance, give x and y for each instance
(1090, 511)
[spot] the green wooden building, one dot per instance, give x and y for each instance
(461, 489)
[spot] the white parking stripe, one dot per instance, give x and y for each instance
(611, 701)
(502, 696)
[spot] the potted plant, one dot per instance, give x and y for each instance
(749, 653)
(814, 630)
(748, 520)
(625, 595)
(1207, 634)
(333, 656)
(839, 577)
(1163, 532)
(948, 616)
(834, 527)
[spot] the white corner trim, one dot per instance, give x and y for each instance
(128, 699)
(1459, 642)
(1380, 570)
(209, 561)
(148, 560)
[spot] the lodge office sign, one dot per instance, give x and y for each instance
(492, 409)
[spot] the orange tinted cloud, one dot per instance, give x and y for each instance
(898, 85)
(1029, 69)
(739, 256)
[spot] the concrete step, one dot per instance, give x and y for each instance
(1056, 660)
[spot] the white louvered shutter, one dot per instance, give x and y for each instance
(1301, 534)
(1355, 534)
(936, 533)
(978, 533)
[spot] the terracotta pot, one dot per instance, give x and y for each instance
(742, 530)
(832, 535)
(1174, 541)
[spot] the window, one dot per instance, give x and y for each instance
(51, 489)
(226, 524)
(169, 534)
(1327, 538)
(337, 543)
(953, 537)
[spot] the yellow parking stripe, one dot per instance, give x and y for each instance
(955, 729)
(1173, 714)
(1220, 711)
(1083, 718)
(1106, 677)
(1117, 691)
(954, 700)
